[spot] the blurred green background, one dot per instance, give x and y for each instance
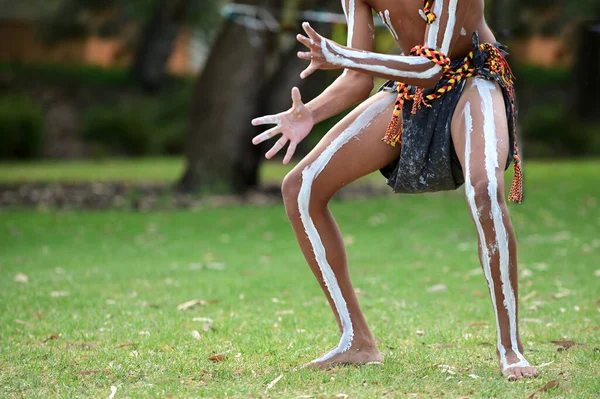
(91, 80)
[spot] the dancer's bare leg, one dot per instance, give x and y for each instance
(351, 149)
(480, 135)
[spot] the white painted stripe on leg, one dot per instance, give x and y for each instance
(485, 255)
(309, 174)
(485, 88)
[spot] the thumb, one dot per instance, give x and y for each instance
(296, 97)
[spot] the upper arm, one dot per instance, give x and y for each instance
(361, 33)
(443, 33)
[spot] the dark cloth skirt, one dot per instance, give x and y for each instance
(428, 160)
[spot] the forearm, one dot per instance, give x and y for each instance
(348, 89)
(412, 70)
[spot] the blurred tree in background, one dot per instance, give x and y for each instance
(249, 69)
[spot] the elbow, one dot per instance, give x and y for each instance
(431, 82)
(361, 84)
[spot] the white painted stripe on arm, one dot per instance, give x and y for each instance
(435, 25)
(449, 26)
(309, 174)
(342, 58)
(351, 13)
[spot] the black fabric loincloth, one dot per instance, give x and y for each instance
(428, 160)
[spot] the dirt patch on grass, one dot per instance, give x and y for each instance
(146, 196)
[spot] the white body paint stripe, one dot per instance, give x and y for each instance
(343, 59)
(350, 16)
(388, 22)
(449, 26)
(309, 174)
(485, 88)
(485, 255)
(435, 25)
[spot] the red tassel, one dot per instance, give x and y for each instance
(516, 190)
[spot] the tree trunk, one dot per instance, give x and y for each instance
(158, 40)
(587, 73)
(224, 103)
(497, 19)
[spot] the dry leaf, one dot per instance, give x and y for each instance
(90, 372)
(529, 296)
(90, 345)
(113, 392)
(420, 333)
(51, 337)
(546, 387)
(272, 383)
(128, 344)
(25, 323)
(21, 278)
(195, 334)
(193, 302)
(564, 345)
(478, 294)
(563, 293)
(56, 294)
(438, 288)
(478, 324)
(203, 319)
(217, 358)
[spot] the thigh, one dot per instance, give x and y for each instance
(352, 148)
(481, 110)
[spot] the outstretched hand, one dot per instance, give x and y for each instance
(293, 124)
(314, 42)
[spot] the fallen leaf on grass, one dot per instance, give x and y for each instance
(215, 266)
(597, 273)
(478, 294)
(189, 304)
(217, 358)
(57, 294)
(420, 333)
(51, 337)
(203, 319)
(25, 323)
(561, 294)
(546, 387)
(564, 345)
(195, 334)
(529, 296)
(90, 372)
(127, 345)
(272, 383)
(113, 392)
(21, 278)
(90, 345)
(478, 324)
(438, 288)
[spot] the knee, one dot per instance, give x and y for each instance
(314, 199)
(290, 190)
(487, 194)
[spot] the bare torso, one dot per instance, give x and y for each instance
(406, 23)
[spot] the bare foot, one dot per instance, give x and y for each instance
(516, 369)
(358, 354)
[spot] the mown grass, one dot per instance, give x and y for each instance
(100, 305)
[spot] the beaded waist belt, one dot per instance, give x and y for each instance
(498, 67)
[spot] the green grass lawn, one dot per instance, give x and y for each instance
(158, 170)
(99, 307)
